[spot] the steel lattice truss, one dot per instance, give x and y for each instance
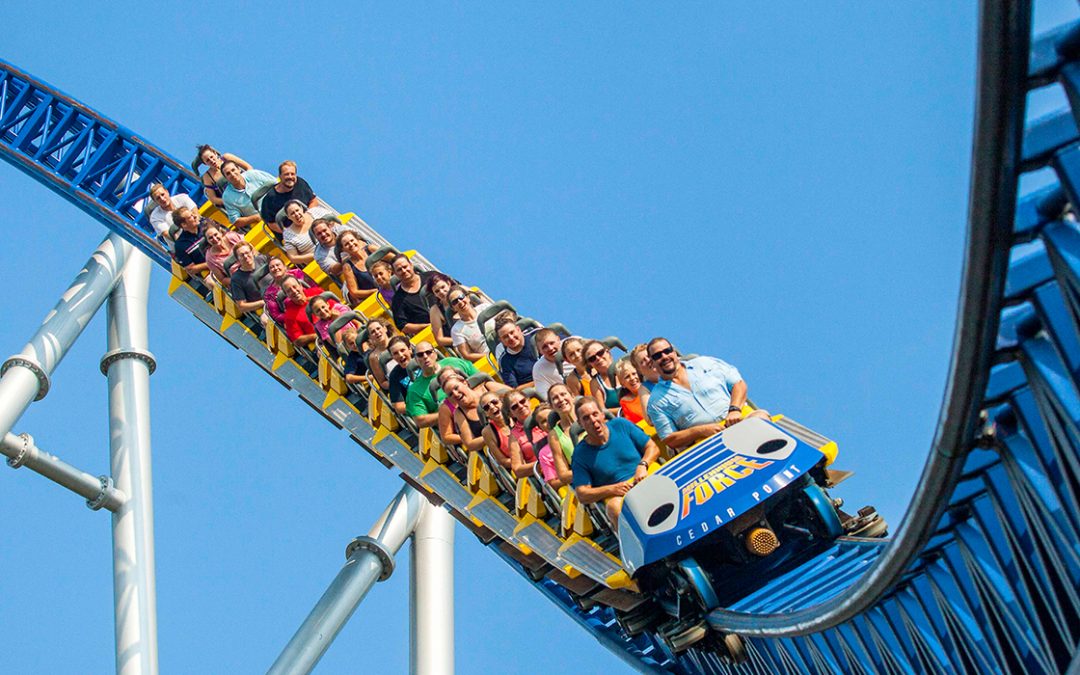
(993, 589)
(101, 167)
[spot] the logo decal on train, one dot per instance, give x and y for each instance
(718, 479)
(745, 449)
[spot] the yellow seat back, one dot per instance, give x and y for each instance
(527, 499)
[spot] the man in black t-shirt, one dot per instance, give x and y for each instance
(409, 306)
(289, 186)
(189, 248)
(399, 377)
(245, 288)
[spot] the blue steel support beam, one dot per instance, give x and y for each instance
(94, 163)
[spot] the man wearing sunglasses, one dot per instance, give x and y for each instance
(419, 402)
(694, 399)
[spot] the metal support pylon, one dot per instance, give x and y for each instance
(368, 559)
(24, 377)
(431, 594)
(128, 366)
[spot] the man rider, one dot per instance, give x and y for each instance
(612, 457)
(694, 399)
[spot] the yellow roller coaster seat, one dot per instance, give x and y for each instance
(527, 499)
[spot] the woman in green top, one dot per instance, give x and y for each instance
(562, 402)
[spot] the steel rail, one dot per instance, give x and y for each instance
(1004, 43)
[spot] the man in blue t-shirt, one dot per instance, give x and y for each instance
(239, 209)
(611, 459)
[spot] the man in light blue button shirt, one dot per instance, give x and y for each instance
(694, 399)
(239, 208)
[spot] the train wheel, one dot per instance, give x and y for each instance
(700, 584)
(679, 636)
(735, 648)
(826, 520)
(638, 620)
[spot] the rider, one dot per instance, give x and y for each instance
(420, 403)
(611, 459)
(694, 399)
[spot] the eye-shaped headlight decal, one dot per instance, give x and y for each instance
(660, 514)
(757, 438)
(652, 504)
(769, 447)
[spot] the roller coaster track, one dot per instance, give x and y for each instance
(983, 574)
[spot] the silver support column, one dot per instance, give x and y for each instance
(128, 366)
(24, 378)
(368, 559)
(431, 594)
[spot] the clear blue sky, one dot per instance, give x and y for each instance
(784, 187)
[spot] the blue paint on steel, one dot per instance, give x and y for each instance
(1047, 135)
(710, 485)
(995, 589)
(699, 579)
(1048, 53)
(1037, 209)
(1030, 269)
(91, 161)
(1064, 162)
(824, 510)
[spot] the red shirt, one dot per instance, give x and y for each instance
(296, 321)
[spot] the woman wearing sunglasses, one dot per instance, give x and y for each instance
(496, 434)
(604, 388)
(521, 445)
(466, 336)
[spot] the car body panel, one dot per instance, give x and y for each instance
(707, 487)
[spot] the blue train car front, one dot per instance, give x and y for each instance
(711, 486)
